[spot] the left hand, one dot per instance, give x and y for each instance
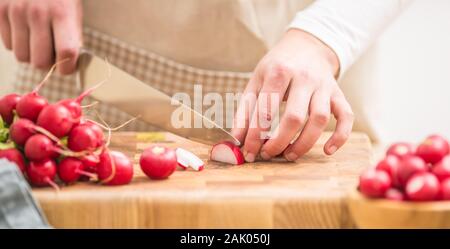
(300, 69)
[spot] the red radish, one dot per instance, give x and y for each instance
(90, 163)
(74, 105)
(21, 130)
(98, 131)
(71, 169)
(227, 152)
(188, 159)
(8, 104)
(390, 165)
(114, 168)
(394, 194)
(409, 166)
(57, 119)
(39, 147)
(83, 138)
(14, 156)
(158, 162)
(423, 187)
(30, 106)
(433, 149)
(42, 173)
(374, 183)
(445, 190)
(401, 149)
(442, 169)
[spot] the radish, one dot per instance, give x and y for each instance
(390, 165)
(42, 173)
(8, 104)
(442, 169)
(90, 163)
(159, 162)
(39, 147)
(30, 106)
(83, 138)
(423, 187)
(71, 169)
(374, 183)
(114, 168)
(433, 149)
(227, 152)
(401, 149)
(188, 159)
(14, 156)
(445, 190)
(409, 166)
(57, 119)
(21, 130)
(97, 130)
(394, 195)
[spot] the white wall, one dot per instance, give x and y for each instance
(414, 73)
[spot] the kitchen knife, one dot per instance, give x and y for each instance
(138, 99)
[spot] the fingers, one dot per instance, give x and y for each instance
(41, 46)
(67, 38)
(274, 87)
(245, 109)
(19, 31)
(292, 121)
(319, 116)
(344, 117)
(5, 29)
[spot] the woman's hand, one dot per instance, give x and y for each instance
(301, 70)
(40, 31)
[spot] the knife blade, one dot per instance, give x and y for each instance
(138, 99)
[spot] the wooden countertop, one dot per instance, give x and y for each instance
(310, 193)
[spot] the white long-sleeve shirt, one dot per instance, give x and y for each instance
(347, 26)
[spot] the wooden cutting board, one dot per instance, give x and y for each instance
(310, 193)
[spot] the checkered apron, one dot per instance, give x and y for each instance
(161, 73)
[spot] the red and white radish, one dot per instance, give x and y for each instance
(14, 156)
(8, 104)
(442, 169)
(187, 159)
(42, 173)
(83, 138)
(39, 147)
(21, 130)
(71, 169)
(227, 152)
(56, 119)
(390, 165)
(401, 149)
(433, 149)
(394, 195)
(158, 162)
(374, 183)
(423, 187)
(409, 166)
(445, 190)
(114, 168)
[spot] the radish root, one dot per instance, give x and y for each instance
(47, 76)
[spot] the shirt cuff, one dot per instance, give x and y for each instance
(324, 33)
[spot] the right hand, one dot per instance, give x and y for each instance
(41, 32)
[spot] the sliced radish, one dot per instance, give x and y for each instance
(227, 152)
(187, 159)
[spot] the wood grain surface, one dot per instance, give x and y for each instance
(310, 193)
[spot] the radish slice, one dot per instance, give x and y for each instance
(227, 152)
(187, 159)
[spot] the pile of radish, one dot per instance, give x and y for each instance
(54, 142)
(410, 173)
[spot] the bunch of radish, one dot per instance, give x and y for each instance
(411, 173)
(51, 141)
